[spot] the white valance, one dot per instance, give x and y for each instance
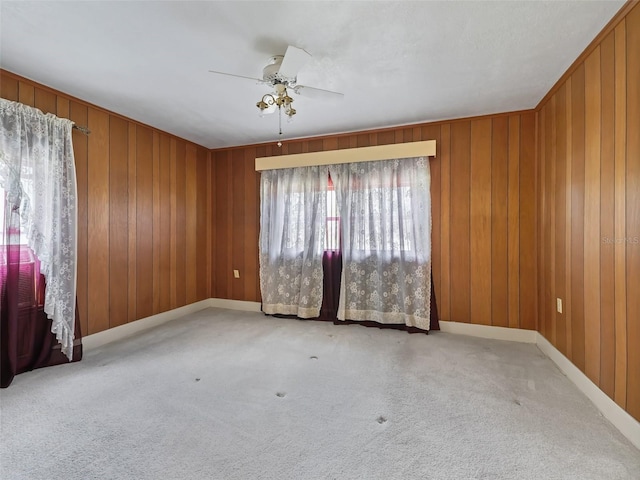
(426, 148)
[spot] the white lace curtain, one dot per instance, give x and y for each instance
(385, 213)
(385, 218)
(293, 215)
(37, 172)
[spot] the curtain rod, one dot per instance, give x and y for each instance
(84, 130)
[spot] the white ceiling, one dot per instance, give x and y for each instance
(396, 62)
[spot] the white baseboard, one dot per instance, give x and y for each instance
(99, 339)
(624, 422)
(487, 331)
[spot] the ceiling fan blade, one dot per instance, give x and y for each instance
(294, 59)
(311, 92)
(259, 80)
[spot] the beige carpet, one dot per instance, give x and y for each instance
(233, 395)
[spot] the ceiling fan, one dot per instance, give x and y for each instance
(281, 73)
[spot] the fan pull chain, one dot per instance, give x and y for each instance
(280, 125)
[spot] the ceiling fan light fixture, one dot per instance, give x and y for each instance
(280, 98)
(281, 73)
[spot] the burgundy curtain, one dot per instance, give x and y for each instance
(25, 331)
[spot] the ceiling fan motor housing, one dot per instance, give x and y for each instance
(270, 73)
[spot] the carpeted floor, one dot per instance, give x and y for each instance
(233, 395)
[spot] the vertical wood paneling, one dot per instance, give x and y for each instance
(131, 189)
(118, 221)
(202, 220)
(240, 240)
(144, 216)
(251, 222)
(501, 145)
(344, 142)
(592, 216)
(568, 300)
(222, 172)
(163, 243)
(597, 212)
(552, 316)
(62, 107)
(620, 395)
(607, 199)
(499, 222)
(480, 212)
(560, 187)
(98, 221)
(133, 224)
(528, 247)
(78, 113)
(633, 211)
(45, 101)
(444, 150)
(181, 223)
(216, 229)
(513, 223)
(363, 140)
(9, 89)
(577, 217)
(326, 143)
(155, 179)
(543, 223)
(191, 187)
(549, 216)
(385, 138)
(173, 268)
(460, 222)
(210, 222)
(26, 93)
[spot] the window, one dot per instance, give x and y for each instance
(294, 236)
(385, 221)
(332, 240)
(16, 238)
(383, 225)
(21, 255)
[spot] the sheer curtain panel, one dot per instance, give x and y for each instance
(37, 172)
(293, 213)
(385, 213)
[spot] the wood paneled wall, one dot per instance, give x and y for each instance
(527, 207)
(143, 216)
(589, 200)
(483, 195)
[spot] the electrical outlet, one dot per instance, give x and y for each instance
(559, 305)
(236, 274)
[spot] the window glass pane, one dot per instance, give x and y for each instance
(387, 220)
(14, 235)
(294, 235)
(332, 241)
